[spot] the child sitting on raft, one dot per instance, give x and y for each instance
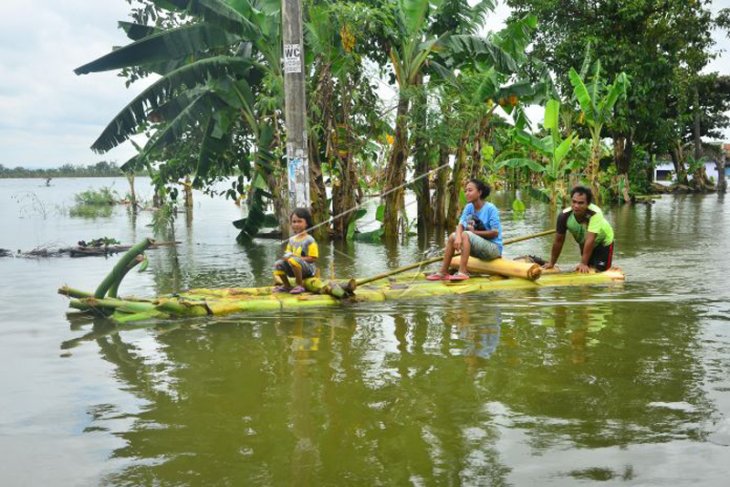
(479, 233)
(300, 255)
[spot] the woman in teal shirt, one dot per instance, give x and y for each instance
(479, 233)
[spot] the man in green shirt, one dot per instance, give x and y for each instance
(594, 235)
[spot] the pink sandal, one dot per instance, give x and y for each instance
(437, 276)
(459, 276)
(280, 289)
(297, 290)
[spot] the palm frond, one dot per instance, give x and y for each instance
(222, 14)
(215, 142)
(198, 109)
(516, 36)
(162, 46)
(412, 14)
(137, 31)
(127, 121)
(474, 48)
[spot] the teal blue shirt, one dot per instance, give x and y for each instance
(489, 215)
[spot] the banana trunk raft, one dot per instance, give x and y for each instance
(205, 302)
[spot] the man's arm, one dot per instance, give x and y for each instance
(556, 250)
(585, 253)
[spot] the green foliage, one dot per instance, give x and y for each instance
(94, 203)
(144, 264)
(351, 227)
(99, 242)
(380, 213)
(100, 197)
(373, 236)
(641, 173)
(90, 211)
(552, 150)
(661, 45)
(518, 206)
(99, 169)
(518, 209)
(163, 218)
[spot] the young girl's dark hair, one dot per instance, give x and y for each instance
(483, 187)
(304, 214)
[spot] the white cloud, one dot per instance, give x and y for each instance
(48, 114)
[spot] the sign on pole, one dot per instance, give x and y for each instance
(292, 58)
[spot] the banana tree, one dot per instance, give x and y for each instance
(410, 50)
(597, 103)
(426, 50)
(344, 108)
(552, 152)
(218, 75)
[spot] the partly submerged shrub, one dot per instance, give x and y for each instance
(94, 203)
(100, 197)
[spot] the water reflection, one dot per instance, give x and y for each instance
(228, 400)
(400, 393)
(477, 334)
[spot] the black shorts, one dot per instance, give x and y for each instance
(602, 257)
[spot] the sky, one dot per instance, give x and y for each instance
(49, 116)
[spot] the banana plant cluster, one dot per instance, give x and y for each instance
(205, 114)
(215, 109)
(597, 102)
(552, 150)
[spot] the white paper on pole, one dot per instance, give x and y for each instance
(292, 58)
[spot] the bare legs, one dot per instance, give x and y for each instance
(451, 248)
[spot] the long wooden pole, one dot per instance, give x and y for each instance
(295, 109)
(408, 267)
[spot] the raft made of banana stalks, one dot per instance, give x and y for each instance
(388, 286)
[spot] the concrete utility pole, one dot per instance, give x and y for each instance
(295, 106)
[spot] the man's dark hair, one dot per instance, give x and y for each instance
(482, 187)
(584, 191)
(304, 214)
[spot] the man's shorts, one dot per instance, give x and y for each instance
(602, 257)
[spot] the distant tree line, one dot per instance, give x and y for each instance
(100, 169)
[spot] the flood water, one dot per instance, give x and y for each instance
(625, 384)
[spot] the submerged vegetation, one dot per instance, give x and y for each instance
(94, 203)
(619, 88)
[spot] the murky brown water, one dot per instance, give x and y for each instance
(624, 384)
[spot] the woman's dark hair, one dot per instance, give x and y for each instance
(584, 191)
(304, 214)
(483, 187)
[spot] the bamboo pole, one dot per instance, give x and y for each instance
(408, 267)
(501, 267)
